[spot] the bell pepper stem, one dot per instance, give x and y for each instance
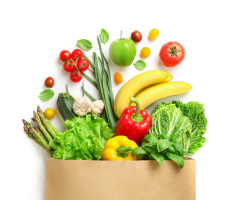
(137, 113)
(125, 149)
(136, 116)
(122, 151)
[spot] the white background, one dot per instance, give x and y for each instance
(215, 35)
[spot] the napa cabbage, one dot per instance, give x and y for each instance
(169, 122)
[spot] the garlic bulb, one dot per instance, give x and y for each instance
(82, 106)
(97, 107)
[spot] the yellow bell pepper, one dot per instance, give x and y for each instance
(119, 148)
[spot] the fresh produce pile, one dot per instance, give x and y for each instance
(119, 128)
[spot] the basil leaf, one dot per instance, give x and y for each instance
(138, 150)
(84, 44)
(171, 149)
(46, 95)
(158, 157)
(163, 144)
(150, 138)
(178, 148)
(148, 147)
(104, 36)
(140, 64)
(176, 158)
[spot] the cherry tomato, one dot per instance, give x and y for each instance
(145, 52)
(75, 76)
(49, 113)
(118, 78)
(136, 36)
(69, 65)
(172, 54)
(49, 82)
(153, 34)
(64, 55)
(82, 64)
(77, 53)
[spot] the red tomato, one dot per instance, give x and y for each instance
(69, 65)
(172, 54)
(64, 55)
(49, 82)
(77, 53)
(82, 64)
(75, 76)
(136, 36)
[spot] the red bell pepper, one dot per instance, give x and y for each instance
(134, 123)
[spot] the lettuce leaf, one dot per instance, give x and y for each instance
(84, 140)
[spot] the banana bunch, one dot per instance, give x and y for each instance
(147, 88)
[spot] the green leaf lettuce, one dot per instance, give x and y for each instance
(84, 140)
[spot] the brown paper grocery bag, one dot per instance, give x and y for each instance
(119, 180)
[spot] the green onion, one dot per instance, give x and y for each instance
(87, 94)
(103, 84)
(91, 64)
(90, 80)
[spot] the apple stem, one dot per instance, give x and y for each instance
(121, 35)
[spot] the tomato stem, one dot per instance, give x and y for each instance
(174, 51)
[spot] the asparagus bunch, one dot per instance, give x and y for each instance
(44, 133)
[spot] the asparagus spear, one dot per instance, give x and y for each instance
(40, 110)
(42, 128)
(35, 134)
(50, 128)
(26, 130)
(40, 133)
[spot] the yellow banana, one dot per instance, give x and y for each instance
(163, 90)
(136, 84)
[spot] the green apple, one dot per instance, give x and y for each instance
(122, 52)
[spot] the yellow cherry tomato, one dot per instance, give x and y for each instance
(145, 52)
(50, 113)
(118, 78)
(153, 34)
